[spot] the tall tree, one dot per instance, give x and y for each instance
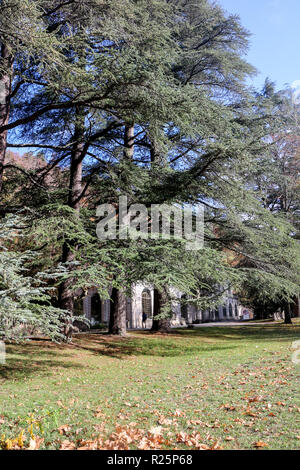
(148, 100)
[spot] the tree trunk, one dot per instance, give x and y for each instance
(297, 306)
(160, 300)
(66, 293)
(6, 62)
(287, 314)
(129, 141)
(117, 321)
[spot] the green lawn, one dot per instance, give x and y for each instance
(227, 388)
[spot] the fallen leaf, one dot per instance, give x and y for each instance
(260, 444)
(35, 444)
(156, 431)
(64, 429)
(67, 445)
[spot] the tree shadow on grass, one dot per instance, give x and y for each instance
(240, 333)
(41, 357)
(29, 359)
(120, 348)
(183, 342)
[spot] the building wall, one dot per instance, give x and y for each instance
(137, 307)
(134, 312)
(245, 313)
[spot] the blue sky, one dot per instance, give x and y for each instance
(275, 40)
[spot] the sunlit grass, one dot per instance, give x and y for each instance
(235, 386)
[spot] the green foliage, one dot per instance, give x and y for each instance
(175, 73)
(25, 301)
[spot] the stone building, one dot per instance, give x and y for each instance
(97, 310)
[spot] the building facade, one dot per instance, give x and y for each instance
(97, 310)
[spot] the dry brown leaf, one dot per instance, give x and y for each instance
(165, 421)
(249, 412)
(216, 446)
(64, 429)
(67, 445)
(255, 399)
(203, 447)
(228, 407)
(35, 444)
(260, 444)
(182, 437)
(89, 445)
(156, 431)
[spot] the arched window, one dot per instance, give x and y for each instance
(216, 314)
(146, 303)
(96, 307)
(236, 310)
(230, 310)
(224, 311)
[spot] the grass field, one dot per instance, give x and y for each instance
(229, 388)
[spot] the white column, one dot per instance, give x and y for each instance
(87, 306)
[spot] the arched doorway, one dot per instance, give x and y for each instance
(146, 303)
(230, 310)
(96, 308)
(224, 311)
